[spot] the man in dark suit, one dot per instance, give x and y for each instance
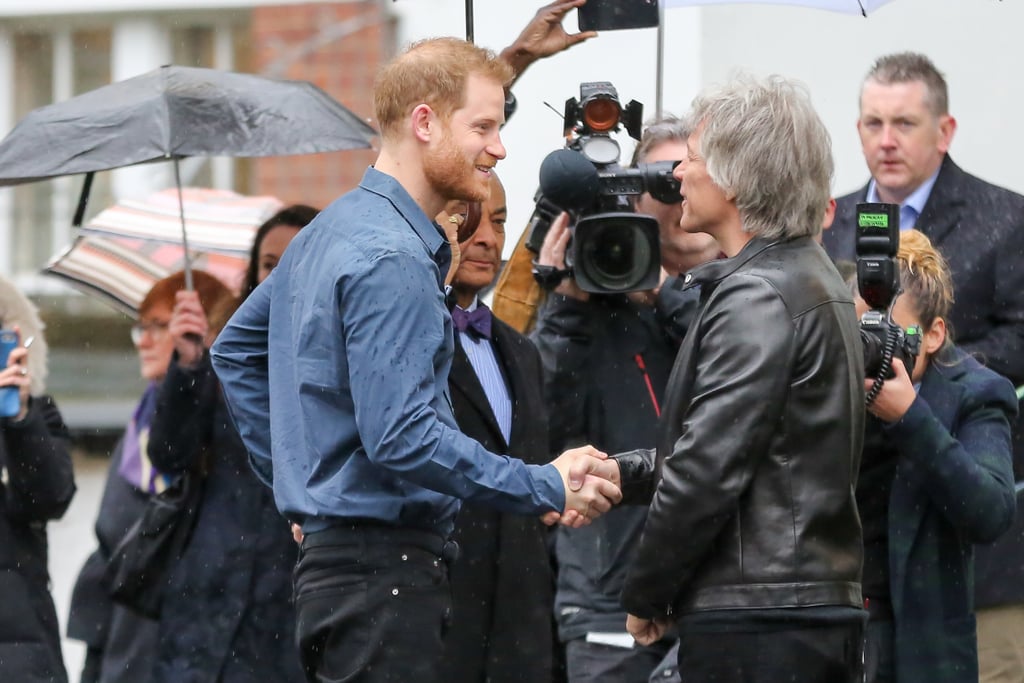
(502, 582)
(906, 131)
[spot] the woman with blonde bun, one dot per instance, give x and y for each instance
(935, 479)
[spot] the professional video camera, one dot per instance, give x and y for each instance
(878, 279)
(613, 249)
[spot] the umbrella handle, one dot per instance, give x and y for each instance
(184, 232)
(83, 200)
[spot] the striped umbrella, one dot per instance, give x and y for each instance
(125, 249)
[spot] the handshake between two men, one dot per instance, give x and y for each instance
(592, 486)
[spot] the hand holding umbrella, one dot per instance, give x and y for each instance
(189, 328)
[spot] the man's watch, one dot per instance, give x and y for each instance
(549, 277)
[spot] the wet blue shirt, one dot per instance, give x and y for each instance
(338, 366)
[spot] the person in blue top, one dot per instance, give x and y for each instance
(935, 478)
(338, 363)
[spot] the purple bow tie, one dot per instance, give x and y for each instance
(477, 322)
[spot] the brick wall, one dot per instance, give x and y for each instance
(298, 41)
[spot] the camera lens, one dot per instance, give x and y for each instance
(616, 255)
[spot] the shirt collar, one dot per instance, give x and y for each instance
(428, 231)
(386, 186)
(917, 199)
(473, 306)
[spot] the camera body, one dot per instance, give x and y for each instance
(878, 281)
(613, 249)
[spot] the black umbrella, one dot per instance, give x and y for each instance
(175, 112)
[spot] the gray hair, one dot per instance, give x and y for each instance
(767, 149)
(913, 67)
(668, 128)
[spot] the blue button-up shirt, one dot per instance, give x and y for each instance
(913, 205)
(336, 373)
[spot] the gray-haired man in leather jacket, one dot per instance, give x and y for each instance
(752, 544)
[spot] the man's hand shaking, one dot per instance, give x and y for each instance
(591, 486)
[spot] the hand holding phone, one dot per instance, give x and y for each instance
(614, 15)
(10, 394)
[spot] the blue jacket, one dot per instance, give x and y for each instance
(953, 488)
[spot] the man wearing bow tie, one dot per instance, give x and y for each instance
(502, 582)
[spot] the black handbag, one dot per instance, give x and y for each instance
(139, 567)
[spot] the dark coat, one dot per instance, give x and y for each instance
(120, 641)
(227, 615)
(37, 486)
(953, 487)
(502, 582)
(979, 228)
(597, 393)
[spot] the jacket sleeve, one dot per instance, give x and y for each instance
(239, 357)
(742, 374)
(563, 338)
(40, 477)
(637, 474)
(183, 419)
(969, 476)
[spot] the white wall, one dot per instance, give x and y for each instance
(35, 8)
(974, 42)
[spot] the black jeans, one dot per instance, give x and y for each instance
(879, 656)
(829, 653)
(372, 604)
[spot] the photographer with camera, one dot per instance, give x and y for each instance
(936, 477)
(906, 129)
(607, 358)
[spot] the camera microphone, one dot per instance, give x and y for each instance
(569, 180)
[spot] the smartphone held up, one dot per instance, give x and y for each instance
(10, 400)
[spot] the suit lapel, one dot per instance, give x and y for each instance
(463, 378)
(510, 359)
(941, 212)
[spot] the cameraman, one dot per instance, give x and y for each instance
(936, 477)
(606, 360)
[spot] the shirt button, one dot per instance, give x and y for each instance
(687, 278)
(405, 558)
(394, 591)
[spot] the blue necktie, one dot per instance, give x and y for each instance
(908, 217)
(477, 322)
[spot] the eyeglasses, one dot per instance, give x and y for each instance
(155, 328)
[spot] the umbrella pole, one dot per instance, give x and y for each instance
(659, 72)
(83, 200)
(469, 20)
(184, 232)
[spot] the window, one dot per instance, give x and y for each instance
(54, 60)
(33, 211)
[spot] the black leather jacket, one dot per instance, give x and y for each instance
(754, 475)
